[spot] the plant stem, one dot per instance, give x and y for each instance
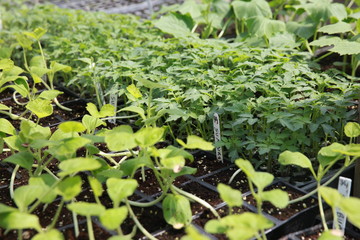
(142, 229)
(90, 228)
(12, 179)
(321, 209)
(148, 204)
(57, 214)
(197, 199)
(315, 190)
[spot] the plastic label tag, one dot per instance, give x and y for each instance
(217, 137)
(113, 101)
(101, 94)
(344, 188)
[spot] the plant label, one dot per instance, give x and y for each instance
(113, 101)
(344, 187)
(217, 137)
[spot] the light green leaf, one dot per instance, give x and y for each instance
(149, 84)
(352, 129)
(329, 154)
(295, 158)
(68, 146)
(113, 218)
(44, 182)
(36, 34)
(3, 107)
(70, 187)
(246, 167)
(331, 196)
(6, 64)
(147, 137)
(193, 234)
(91, 122)
(339, 27)
(25, 195)
(176, 210)
(261, 26)
(19, 220)
(262, 179)
(135, 109)
(96, 186)
(332, 234)
(195, 142)
(120, 138)
(71, 126)
(325, 41)
(277, 197)
(118, 189)
(86, 209)
(346, 47)
(41, 107)
(52, 234)
(350, 206)
(231, 196)
(49, 94)
(75, 165)
(134, 91)
(56, 67)
(33, 131)
(7, 127)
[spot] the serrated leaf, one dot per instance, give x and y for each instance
(179, 25)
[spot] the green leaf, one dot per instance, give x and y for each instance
(295, 158)
(277, 197)
(44, 182)
(23, 159)
(193, 234)
(79, 164)
(149, 84)
(52, 234)
(68, 146)
(245, 166)
(350, 206)
(120, 138)
(36, 34)
(96, 186)
(261, 179)
(3, 107)
(179, 25)
(7, 127)
(106, 111)
(113, 218)
(195, 142)
(147, 137)
(25, 195)
(91, 122)
(131, 165)
(134, 91)
(352, 129)
(70, 187)
(32, 131)
(86, 209)
(49, 94)
(41, 107)
(19, 220)
(71, 126)
(253, 8)
(6, 64)
(325, 41)
(135, 109)
(118, 189)
(261, 26)
(329, 154)
(339, 27)
(176, 210)
(231, 196)
(56, 67)
(346, 47)
(331, 196)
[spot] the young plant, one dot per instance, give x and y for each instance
(327, 157)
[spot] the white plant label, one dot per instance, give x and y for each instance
(217, 137)
(344, 188)
(113, 101)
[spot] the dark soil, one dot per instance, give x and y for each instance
(206, 163)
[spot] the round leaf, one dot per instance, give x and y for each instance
(86, 209)
(177, 211)
(71, 126)
(231, 196)
(75, 165)
(118, 189)
(113, 218)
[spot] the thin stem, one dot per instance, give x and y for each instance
(57, 214)
(140, 226)
(148, 204)
(197, 199)
(315, 190)
(321, 210)
(90, 228)
(16, 101)
(12, 180)
(234, 175)
(120, 117)
(76, 224)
